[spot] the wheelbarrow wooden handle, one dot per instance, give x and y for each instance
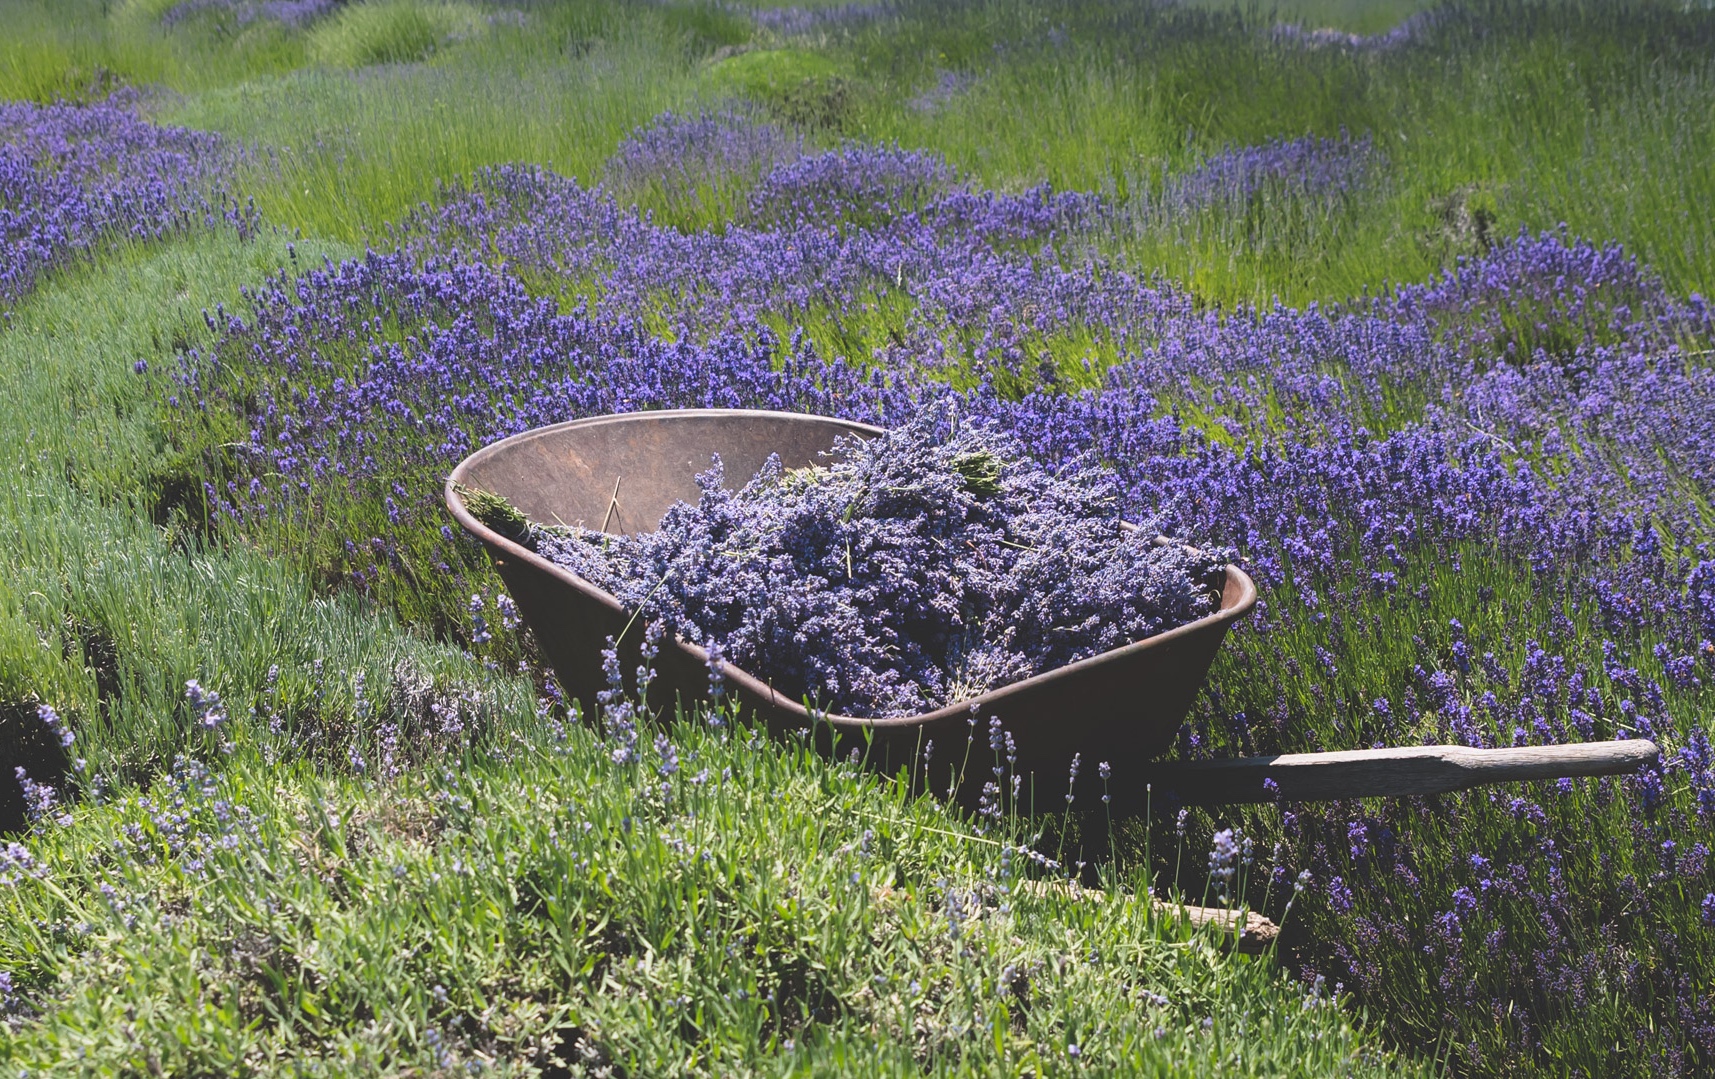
(1372, 773)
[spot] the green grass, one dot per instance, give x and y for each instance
(392, 32)
(1352, 16)
(1518, 92)
(742, 908)
(82, 49)
(346, 155)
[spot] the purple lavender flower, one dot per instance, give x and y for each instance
(479, 634)
(1224, 856)
(205, 705)
(40, 799)
(18, 864)
(948, 85)
(52, 720)
(509, 617)
(855, 186)
(668, 754)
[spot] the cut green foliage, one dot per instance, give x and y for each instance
(497, 513)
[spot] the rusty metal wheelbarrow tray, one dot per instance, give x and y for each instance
(621, 473)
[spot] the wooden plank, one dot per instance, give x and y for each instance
(1253, 935)
(1386, 773)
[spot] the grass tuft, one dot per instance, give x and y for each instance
(391, 32)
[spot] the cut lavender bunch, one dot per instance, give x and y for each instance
(916, 569)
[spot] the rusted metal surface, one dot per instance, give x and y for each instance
(622, 473)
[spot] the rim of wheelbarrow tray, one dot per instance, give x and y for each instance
(734, 674)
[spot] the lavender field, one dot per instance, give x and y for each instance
(1401, 305)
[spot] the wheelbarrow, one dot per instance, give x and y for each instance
(621, 473)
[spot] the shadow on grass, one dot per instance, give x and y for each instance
(25, 743)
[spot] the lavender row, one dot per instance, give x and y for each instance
(292, 13)
(1310, 168)
(1409, 31)
(74, 178)
(734, 146)
(794, 21)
